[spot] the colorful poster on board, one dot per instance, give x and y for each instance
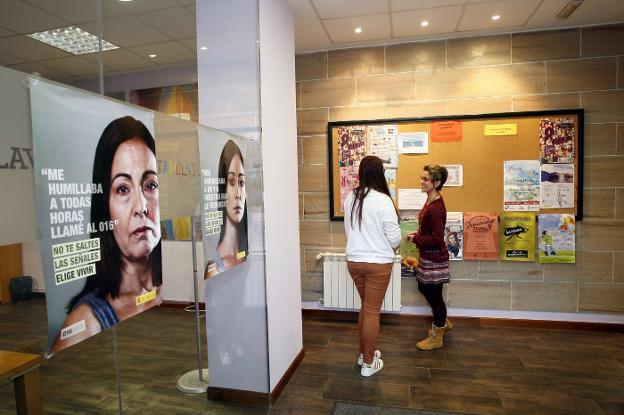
(224, 212)
(481, 235)
(517, 236)
(381, 141)
(556, 239)
(98, 211)
(556, 138)
(454, 235)
(351, 145)
(408, 221)
(521, 190)
(557, 186)
(445, 131)
(348, 181)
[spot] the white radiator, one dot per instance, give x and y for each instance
(339, 290)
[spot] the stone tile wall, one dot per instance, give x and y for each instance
(519, 72)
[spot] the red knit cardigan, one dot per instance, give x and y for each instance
(430, 238)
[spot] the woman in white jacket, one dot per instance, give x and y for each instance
(373, 234)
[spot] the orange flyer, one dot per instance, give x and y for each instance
(444, 131)
(480, 236)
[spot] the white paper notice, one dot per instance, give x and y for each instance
(412, 199)
(413, 143)
(455, 175)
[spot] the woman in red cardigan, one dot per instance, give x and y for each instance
(433, 266)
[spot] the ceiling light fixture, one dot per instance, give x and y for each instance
(496, 17)
(204, 48)
(569, 8)
(152, 55)
(358, 30)
(73, 40)
(424, 23)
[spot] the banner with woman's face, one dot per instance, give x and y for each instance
(98, 211)
(223, 201)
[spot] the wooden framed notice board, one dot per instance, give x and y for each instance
(481, 146)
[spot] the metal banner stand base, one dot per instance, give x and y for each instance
(191, 383)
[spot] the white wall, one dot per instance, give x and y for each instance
(281, 203)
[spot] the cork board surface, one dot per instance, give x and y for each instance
(482, 158)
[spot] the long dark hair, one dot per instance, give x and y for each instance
(229, 151)
(371, 176)
(108, 270)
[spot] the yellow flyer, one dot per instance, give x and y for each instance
(517, 236)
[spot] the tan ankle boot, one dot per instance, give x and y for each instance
(448, 326)
(434, 341)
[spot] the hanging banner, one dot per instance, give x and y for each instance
(521, 185)
(517, 236)
(557, 186)
(481, 236)
(444, 131)
(98, 211)
(556, 239)
(381, 141)
(454, 235)
(224, 201)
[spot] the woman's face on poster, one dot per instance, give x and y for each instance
(235, 190)
(133, 200)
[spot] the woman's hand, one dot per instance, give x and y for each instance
(411, 237)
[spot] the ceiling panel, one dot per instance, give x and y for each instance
(399, 5)
(375, 27)
(441, 20)
(24, 18)
(140, 6)
(513, 13)
(7, 60)
(73, 65)
(588, 13)
(177, 23)
(121, 59)
(44, 71)
(190, 44)
(330, 9)
(29, 49)
(309, 31)
(167, 53)
(74, 11)
(127, 31)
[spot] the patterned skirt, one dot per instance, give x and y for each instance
(429, 272)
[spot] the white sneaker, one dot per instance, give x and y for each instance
(376, 354)
(374, 367)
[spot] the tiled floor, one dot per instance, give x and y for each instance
(482, 370)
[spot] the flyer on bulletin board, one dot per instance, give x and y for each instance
(557, 186)
(381, 141)
(556, 238)
(408, 222)
(521, 190)
(351, 145)
(445, 131)
(517, 236)
(481, 235)
(454, 235)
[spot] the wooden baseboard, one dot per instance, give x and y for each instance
(287, 375)
(392, 318)
(182, 304)
(239, 396)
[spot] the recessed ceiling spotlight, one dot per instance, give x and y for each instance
(152, 55)
(204, 48)
(125, 0)
(73, 40)
(424, 23)
(358, 30)
(496, 17)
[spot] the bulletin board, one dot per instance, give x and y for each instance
(482, 156)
